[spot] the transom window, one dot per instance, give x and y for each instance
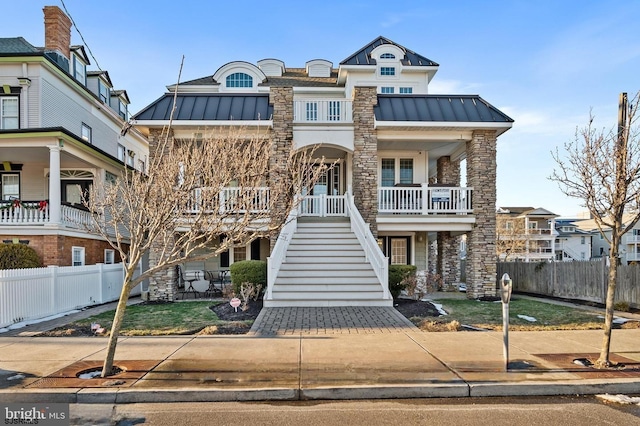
(9, 112)
(387, 71)
(239, 79)
(387, 56)
(406, 90)
(386, 90)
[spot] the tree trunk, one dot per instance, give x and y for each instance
(107, 367)
(603, 360)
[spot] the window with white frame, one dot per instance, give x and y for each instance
(142, 166)
(239, 253)
(86, 133)
(103, 91)
(9, 112)
(311, 110)
(122, 152)
(77, 256)
(582, 240)
(398, 251)
(334, 111)
(388, 175)
(406, 90)
(387, 71)
(109, 256)
(130, 158)
(10, 186)
(386, 90)
(79, 70)
(406, 170)
(387, 56)
(239, 79)
(508, 225)
(122, 110)
(390, 166)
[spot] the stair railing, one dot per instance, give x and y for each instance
(372, 251)
(274, 262)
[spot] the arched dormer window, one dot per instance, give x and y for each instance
(387, 56)
(239, 79)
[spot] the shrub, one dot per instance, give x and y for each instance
(397, 274)
(18, 256)
(622, 306)
(248, 271)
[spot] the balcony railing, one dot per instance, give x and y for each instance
(23, 212)
(230, 200)
(631, 239)
(323, 205)
(322, 111)
(425, 200)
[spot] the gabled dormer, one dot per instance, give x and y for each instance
(393, 68)
(78, 64)
(120, 103)
(100, 84)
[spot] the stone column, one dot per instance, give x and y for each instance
(281, 144)
(163, 285)
(481, 241)
(365, 155)
(448, 173)
(55, 188)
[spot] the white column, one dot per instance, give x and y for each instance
(55, 197)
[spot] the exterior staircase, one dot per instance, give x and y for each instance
(325, 265)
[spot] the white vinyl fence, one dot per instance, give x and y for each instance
(31, 294)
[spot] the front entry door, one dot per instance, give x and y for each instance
(328, 183)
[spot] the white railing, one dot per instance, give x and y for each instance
(31, 294)
(23, 212)
(632, 257)
(322, 111)
(230, 200)
(372, 250)
(323, 205)
(274, 262)
(75, 218)
(425, 200)
(631, 239)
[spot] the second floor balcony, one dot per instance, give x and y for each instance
(322, 111)
(422, 199)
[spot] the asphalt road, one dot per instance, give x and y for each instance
(565, 411)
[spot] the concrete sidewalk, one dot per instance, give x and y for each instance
(406, 363)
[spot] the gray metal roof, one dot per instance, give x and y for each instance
(17, 45)
(363, 56)
(213, 106)
(452, 108)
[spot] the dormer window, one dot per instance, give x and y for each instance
(387, 71)
(387, 56)
(123, 110)
(79, 70)
(239, 79)
(103, 91)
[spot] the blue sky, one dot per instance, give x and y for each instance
(546, 63)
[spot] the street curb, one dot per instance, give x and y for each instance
(582, 387)
(387, 392)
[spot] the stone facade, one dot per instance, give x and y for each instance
(448, 263)
(163, 285)
(481, 241)
(365, 155)
(281, 141)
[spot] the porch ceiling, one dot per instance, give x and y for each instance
(430, 223)
(40, 155)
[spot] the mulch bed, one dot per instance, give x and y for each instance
(415, 308)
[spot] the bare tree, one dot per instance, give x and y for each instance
(511, 237)
(602, 168)
(194, 193)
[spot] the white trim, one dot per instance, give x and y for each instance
(442, 124)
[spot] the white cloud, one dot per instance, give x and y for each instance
(443, 86)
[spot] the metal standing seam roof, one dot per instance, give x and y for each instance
(438, 108)
(363, 56)
(209, 107)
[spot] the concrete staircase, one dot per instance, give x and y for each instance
(326, 266)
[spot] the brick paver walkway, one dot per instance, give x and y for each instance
(342, 320)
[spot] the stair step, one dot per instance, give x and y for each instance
(325, 266)
(323, 225)
(286, 303)
(322, 238)
(330, 272)
(332, 288)
(312, 260)
(326, 296)
(323, 247)
(335, 281)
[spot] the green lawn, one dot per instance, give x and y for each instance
(488, 315)
(159, 319)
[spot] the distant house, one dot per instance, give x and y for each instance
(572, 243)
(60, 138)
(525, 233)
(397, 148)
(629, 250)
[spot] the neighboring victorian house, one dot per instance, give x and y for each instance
(398, 150)
(60, 136)
(526, 234)
(629, 250)
(572, 243)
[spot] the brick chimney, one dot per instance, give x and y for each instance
(57, 30)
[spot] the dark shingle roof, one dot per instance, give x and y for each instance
(453, 108)
(297, 77)
(17, 45)
(209, 107)
(363, 56)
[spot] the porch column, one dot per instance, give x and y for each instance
(365, 155)
(281, 145)
(448, 173)
(55, 189)
(481, 241)
(163, 285)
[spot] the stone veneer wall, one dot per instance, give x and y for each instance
(448, 173)
(365, 155)
(281, 140)
(481, 241)
(163, 285)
